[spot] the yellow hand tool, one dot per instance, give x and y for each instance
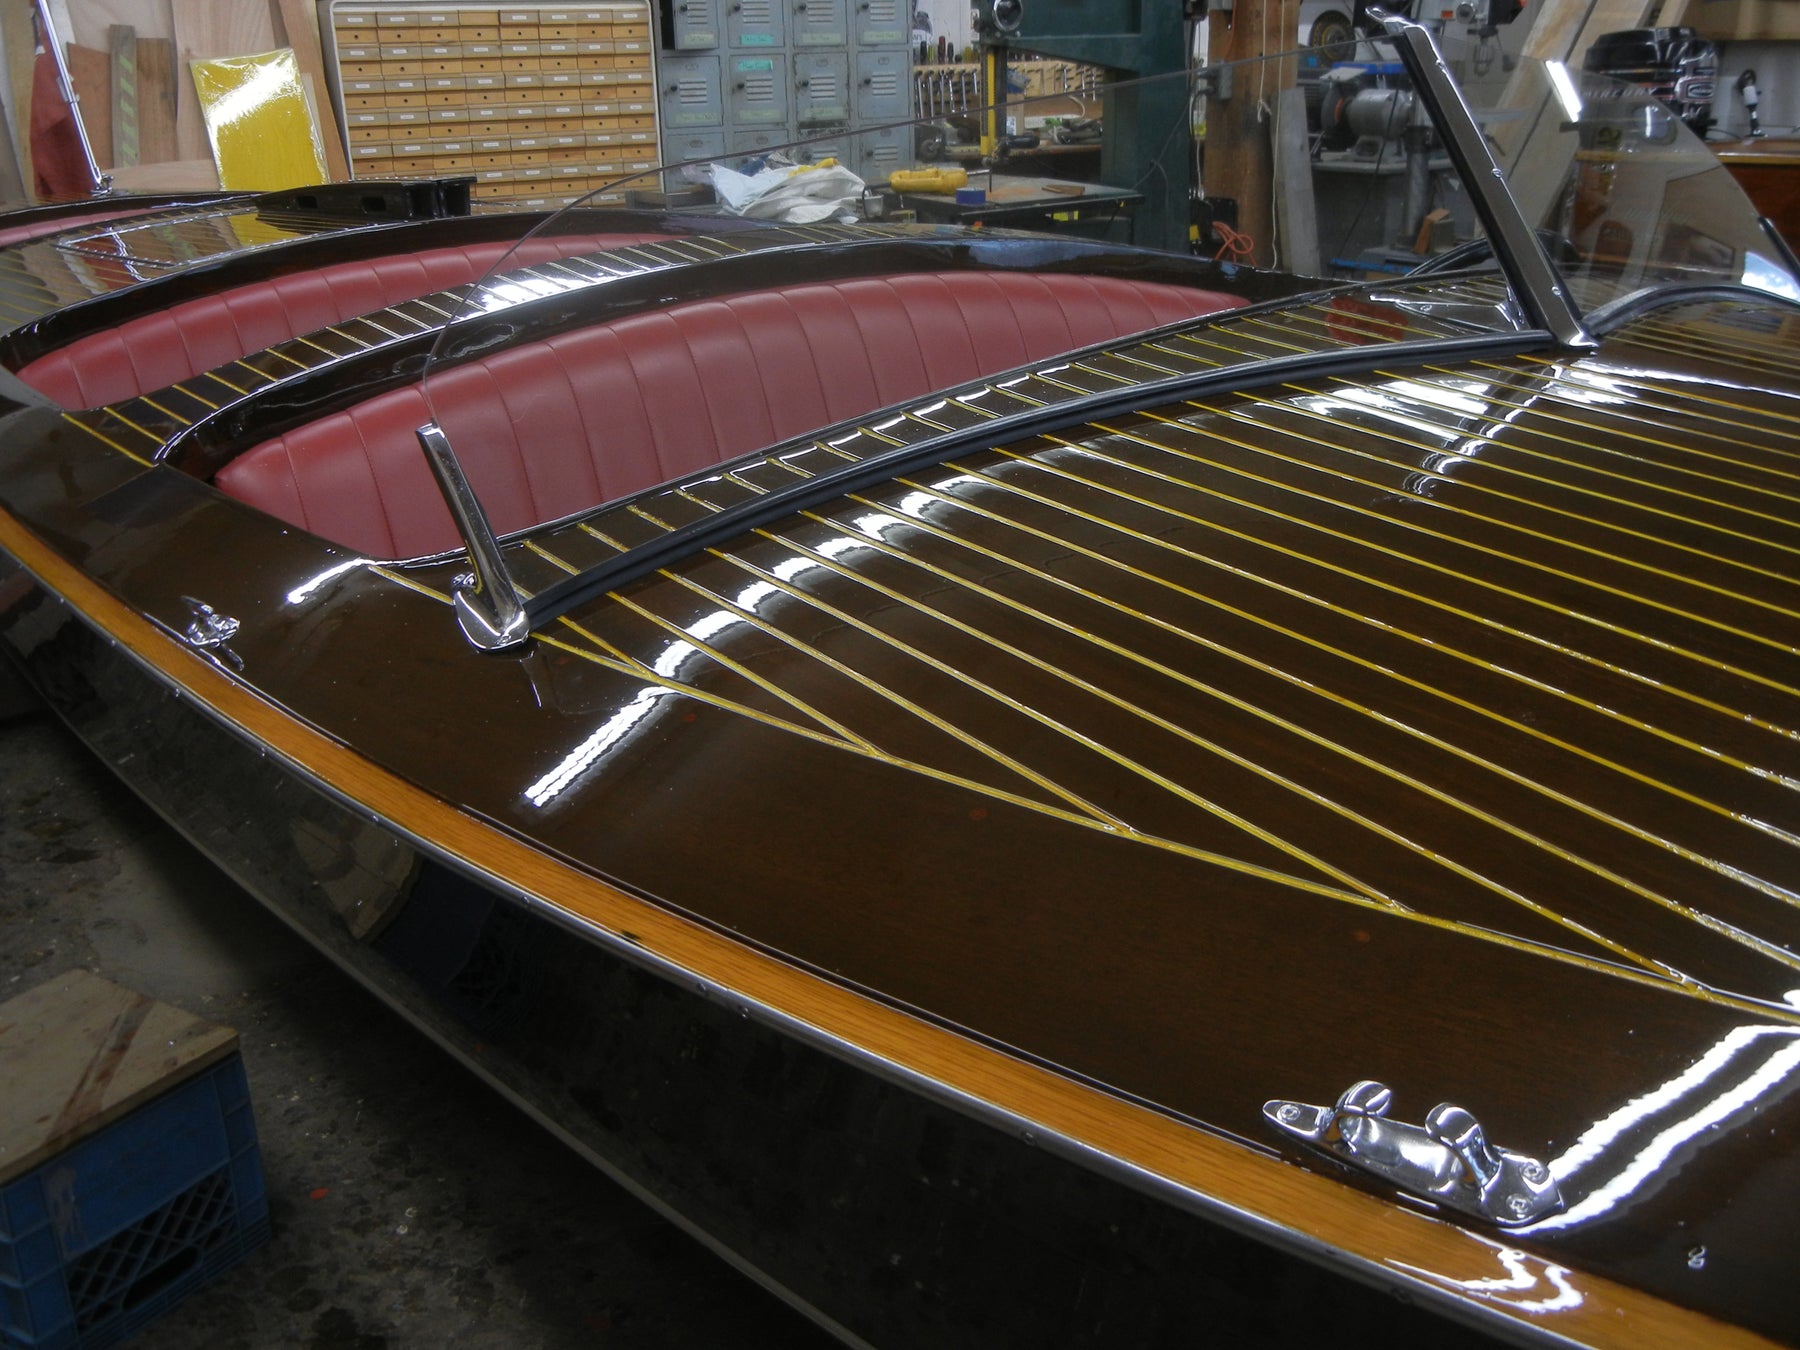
(928, 180)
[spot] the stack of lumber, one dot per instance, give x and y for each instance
(131, 65)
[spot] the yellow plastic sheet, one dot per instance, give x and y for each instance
(263, 133)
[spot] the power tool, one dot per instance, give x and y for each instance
(928, 180)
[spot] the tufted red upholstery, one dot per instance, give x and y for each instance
(156, 350)
(559, 425)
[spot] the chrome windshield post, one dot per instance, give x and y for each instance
(488, 607)
(65, 86)
(1517, 248)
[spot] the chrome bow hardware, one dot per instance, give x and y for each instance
(1447, 1159)
(211, 631)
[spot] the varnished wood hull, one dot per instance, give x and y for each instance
(885, 1209)
(921, 892)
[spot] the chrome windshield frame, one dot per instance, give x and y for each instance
(1517, 248)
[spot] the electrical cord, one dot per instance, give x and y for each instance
(1241, 247)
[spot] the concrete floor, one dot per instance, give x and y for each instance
(412, 1206)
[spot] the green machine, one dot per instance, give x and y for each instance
(1147, 146)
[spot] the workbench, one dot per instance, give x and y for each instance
(1768, 169)
(1027, 202)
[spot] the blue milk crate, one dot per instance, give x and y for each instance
(124, 1223)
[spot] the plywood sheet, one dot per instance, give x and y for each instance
(259, 121)
(20, 37)
(1553, 29)
(156, 100)
(1746, 20)
(1563, 32)
(92, 20)
(169, 175)
(12, 185)
(205, 29)
(79, 1052)
(90, 71)
(299, 25)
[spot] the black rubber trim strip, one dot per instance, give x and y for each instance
(1616, 314)
(679, 543)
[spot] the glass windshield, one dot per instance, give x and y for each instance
(1321, 165)
(1351, 175)
(1627, 196)
(1326, 164)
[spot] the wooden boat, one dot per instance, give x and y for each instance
(958, 764)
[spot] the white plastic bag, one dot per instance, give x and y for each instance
(796, 196)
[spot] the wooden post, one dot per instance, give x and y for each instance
(121, 41)
(19, 37)
(1239, 160)
(993, 84)
(300, 29)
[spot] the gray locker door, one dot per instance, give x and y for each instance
(690, 145)
(834, 144)
(755, 24)
(883, 86)
(755, 140)
(880, 152)
(882, 23)
(827, 146)
(756, 89)
(690, 25)
(821, 23)
(821, 89)
(690, 92)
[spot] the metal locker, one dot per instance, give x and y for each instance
(880, 152)
(883, 86)
(690, 92)
(756, 89)
(821, 23)
(755, 23)
(693, 145)
(834, 144)
(755, 140)
(690, 25)
(882, 23)
(821, 89)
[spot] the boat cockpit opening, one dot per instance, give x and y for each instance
(563, 423)
(167, 345)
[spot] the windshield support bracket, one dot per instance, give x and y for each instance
(488, 607)
(1517, 247)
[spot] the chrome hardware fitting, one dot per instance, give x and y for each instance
(488, 606)
(1527, 266)
(211, 631)
(1447, 1159)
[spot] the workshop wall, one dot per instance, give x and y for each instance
(949, 19)
(1777, 67)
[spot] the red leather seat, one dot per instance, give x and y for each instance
(559, 425)
(154, 351)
